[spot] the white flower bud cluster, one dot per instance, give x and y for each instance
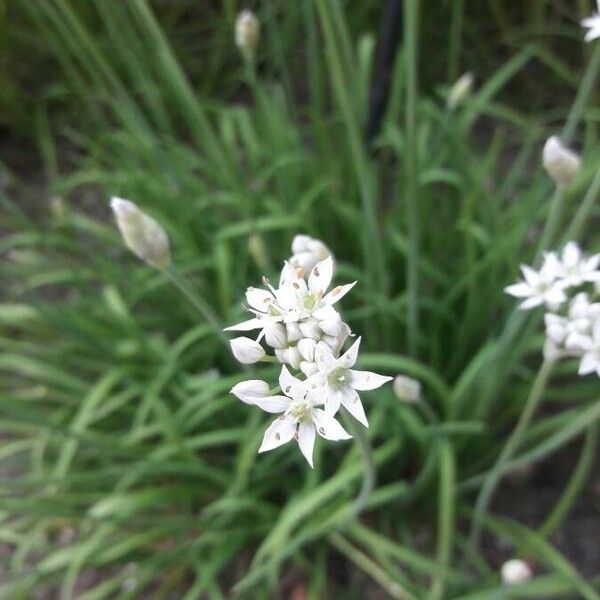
(568, 285)
(298, 321)
(307, 252)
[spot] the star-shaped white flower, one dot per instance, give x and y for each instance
(576, 268)
(340, 383)
(300, 418)
(590, 361)
(540, 287)
(592, 24)
(301, 298)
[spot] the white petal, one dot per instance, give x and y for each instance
(588, 363)
(306, 348)
(531, 303)
(324, 357)
(259, 299)
(249, 391)
(328, 427)
(365, 380)
(287, 381)
(247, 325)
(349, 357)
(353, 405)
(571, 254)
(551, 267)
(532, 277)
(279, 432)
(320, 277)
(337, 293)
(273, 404)
(333, 401)
(519, 290)
(306, 440)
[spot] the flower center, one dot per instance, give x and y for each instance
(301, 411)
(272, 311)
(309, 302)
(338, 377)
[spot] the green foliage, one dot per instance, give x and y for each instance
(126, 458)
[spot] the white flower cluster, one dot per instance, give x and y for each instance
(573, 312)
(298, 321)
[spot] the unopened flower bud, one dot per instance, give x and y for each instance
(247, 32)
(460, 90)
(560, 163)
(407, 389)
(515, 571)
(248, 391)
(307, 252)
(276, 335)
(300, 243)
(306, 348)
(293, 332)
(311, 329)
(289, 356)
(144, 236)
(308, 368)
(247, 351)
(258, 251)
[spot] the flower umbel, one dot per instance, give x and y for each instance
(299, 322)
(572, 321)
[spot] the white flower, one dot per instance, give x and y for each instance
(515, 571)
(247, 32)
(590, 361)
(593, 25)
(541, 287)
(575, 268)
(300, 299)
(300, 418)
(407, 389)
(294, 300)
(340, 383)
(247, 351)
(251, 390)
(573, 332)
(560, 163)
(460, 90)
(144, 236)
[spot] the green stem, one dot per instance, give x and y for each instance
(368, 483)
(446, 513)
(371, 568)
(552, 222)
(198, 302)
(411, 24)
(512, 445)
(579, 478)
(586, 89)
(584, 210)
